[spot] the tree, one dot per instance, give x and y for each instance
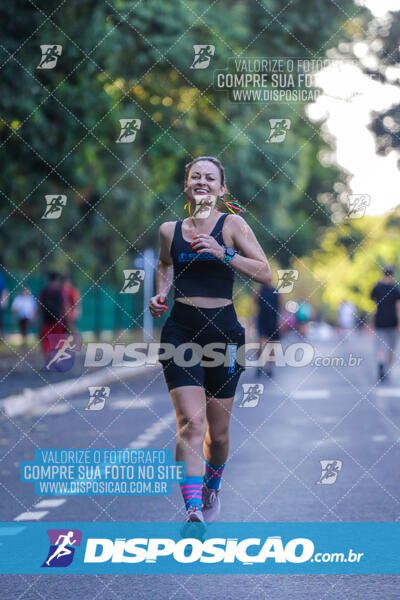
(59, 127)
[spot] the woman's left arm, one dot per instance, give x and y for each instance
(251, 261)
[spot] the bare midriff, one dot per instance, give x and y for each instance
(204, 302)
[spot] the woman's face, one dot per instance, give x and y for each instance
(203, 187)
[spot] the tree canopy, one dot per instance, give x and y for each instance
(122, 60)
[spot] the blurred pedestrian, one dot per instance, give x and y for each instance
(346, 316)
(4, 295)
(268, 302)
(303, 316)
(72, 304)
(51, 305)
(24, 305)
(386, 294)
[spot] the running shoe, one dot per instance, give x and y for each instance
(211, 504)
(193, 525)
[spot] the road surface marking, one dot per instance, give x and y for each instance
(379, 438)
(46, 409)
(333, 440)
(18, 404)
(388, 392)
(50, 503)
(128, 403)
(31, 516)
(310, 394)
(150, 434)
(326, 419)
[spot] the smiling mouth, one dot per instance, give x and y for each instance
(200, 191)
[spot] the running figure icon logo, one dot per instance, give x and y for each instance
(251, 394)
(129, 128)
(54, 206)
(356, 205)
(62, 351)
(133, 279)
(62, 547)
(202, 56)
(279, 129)
(329, 471)
(287, 277)
(50, 54)
(97, 397)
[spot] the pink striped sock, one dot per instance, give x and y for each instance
(191, 488)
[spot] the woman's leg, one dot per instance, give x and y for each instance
(190, 406)
(216, 441)
(216, 448)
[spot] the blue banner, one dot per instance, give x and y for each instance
(224, 548)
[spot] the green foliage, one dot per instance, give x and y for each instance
(350, 259)
(125, 59)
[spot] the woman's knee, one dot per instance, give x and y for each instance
(220, 436)
(191, 426)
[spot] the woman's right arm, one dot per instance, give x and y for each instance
(164, 270)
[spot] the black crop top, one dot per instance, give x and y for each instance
(200, 274)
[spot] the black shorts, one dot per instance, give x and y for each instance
(203, 326)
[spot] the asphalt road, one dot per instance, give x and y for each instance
(304, 415)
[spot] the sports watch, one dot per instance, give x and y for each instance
(229, 254)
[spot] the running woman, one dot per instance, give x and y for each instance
(199, 257)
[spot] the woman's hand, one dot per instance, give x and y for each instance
(157, 306)
(206, 243)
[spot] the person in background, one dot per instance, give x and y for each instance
(346, 317)
(24, 305)
(4, 295)
(72, 304)
(303, 315)
(268, 302)
(51, 306)
(386, 294)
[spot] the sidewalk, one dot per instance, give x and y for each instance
(23, 372)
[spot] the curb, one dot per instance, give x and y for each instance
(21, 403)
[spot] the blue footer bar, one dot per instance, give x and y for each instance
(226, 548)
